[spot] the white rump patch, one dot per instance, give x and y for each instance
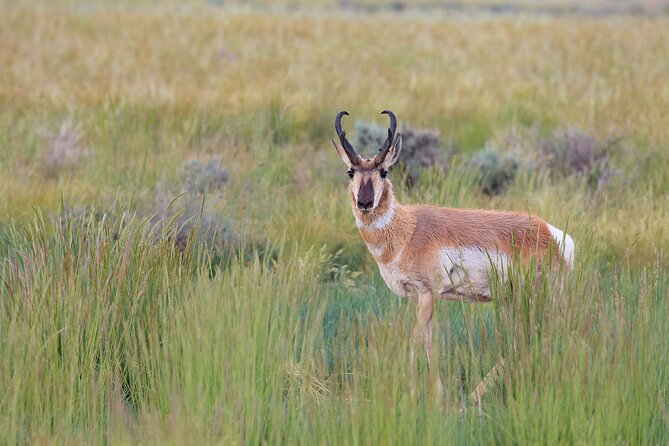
(380, 222)
(565, 244)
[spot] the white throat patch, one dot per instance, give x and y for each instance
(380, 222)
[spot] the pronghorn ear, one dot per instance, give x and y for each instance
(342, 154)
(394, 154)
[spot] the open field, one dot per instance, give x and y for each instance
(123, 320)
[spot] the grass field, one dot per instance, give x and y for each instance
(138, 306)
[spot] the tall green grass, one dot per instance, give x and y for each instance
(111, 334)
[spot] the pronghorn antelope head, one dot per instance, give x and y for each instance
(368, 177)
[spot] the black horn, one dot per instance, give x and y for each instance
(348, 148)
(393, 120)
(383, 151)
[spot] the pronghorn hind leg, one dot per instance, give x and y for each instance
(485, 384)
(461, 384)
(493, 376)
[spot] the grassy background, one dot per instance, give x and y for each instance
(112, 332)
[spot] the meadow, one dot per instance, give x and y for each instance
(179, 261)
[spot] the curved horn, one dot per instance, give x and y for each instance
(348, 148)
(383, 151)
(338, 121)
(393, 120)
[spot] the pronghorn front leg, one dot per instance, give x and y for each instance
(423, 329)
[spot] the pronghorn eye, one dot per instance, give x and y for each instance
(384, 173)
(350, 173)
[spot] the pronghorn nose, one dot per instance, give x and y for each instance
(364, 205)
(366, 196)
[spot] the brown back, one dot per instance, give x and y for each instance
(509, 232)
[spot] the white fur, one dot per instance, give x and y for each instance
(465, 273)
(469, 270)
(378, 192)
(376, 250)
(565, 244)
(380, 222)
(394, 278)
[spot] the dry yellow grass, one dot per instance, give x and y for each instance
(599, 74)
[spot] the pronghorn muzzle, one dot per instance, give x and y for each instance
(366, 196)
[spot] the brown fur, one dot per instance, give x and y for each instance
(419, 231)
(508, 232)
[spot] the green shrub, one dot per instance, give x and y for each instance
(64, 149)
(198, 214)
(572, 152)
(202, 177)
(567, 153)
(495, 170)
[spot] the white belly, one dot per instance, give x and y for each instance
(463, 274)
(469, 272)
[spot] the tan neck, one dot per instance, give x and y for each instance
(382, 212)
(387, 229)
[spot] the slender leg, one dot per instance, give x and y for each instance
(488, 381)
(424, 328)
(492, 376)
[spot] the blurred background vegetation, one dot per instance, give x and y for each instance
(179, 260)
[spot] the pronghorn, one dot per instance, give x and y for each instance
(425, 251)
